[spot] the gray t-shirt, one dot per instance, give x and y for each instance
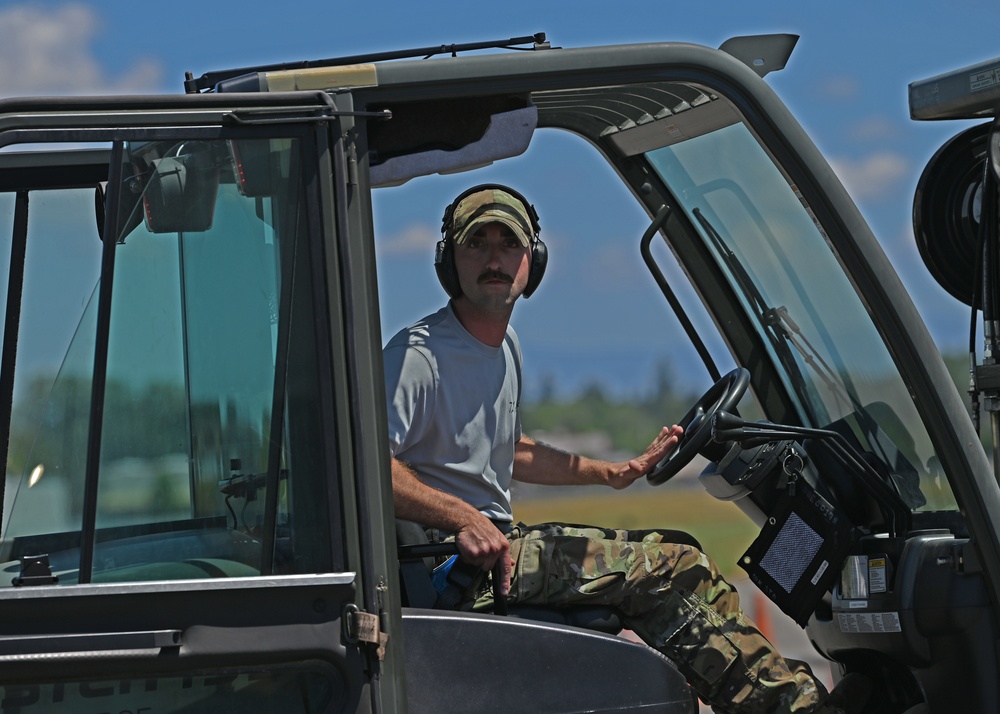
(453, 407)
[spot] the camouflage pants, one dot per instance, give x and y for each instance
(673, 597)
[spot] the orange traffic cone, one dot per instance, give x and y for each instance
(762, 615)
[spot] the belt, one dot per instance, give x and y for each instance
(504, 527)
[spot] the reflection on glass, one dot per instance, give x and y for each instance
(55, 364)
(210, 244)
(816, 329)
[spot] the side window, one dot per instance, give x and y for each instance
(47, 447)
(211, 451)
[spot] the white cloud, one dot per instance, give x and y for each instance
(46, 51)
(875, 128)
(872, 177)
(414, 240)
(839, 87)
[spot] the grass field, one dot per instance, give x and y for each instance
(722, 529)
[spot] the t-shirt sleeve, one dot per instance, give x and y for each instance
(410, 388)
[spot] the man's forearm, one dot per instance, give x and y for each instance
(539, 463)
(479, 541)
(416, 501)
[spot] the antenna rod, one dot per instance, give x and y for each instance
(210, 79)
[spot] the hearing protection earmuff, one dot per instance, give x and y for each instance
(444, 254)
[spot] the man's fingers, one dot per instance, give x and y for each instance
(482, 555)
(481, 544)
(668, 437)
(670, 433)
(665, 440)
(506, 571)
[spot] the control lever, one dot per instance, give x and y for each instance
(728, 427)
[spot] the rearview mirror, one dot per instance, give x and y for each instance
(180, 195)
(172, 194)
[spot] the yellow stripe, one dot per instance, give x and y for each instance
(355, 75)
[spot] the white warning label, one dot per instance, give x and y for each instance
(985, 79)
(868, 622)
(876, 575)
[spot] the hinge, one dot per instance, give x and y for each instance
(35, 570)
(361, 626)
(352, 166)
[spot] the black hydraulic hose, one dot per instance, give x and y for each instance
(977, 299)
(987, 225)
(288, 258)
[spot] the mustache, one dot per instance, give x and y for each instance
(495, 275)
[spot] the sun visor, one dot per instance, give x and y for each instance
(671, 127)
(508, 134)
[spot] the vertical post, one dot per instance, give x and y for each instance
(12, 322)
(88, 528)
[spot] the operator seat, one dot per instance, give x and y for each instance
(415, 568)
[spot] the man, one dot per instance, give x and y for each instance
(453, 385)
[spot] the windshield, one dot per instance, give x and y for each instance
(834, 363)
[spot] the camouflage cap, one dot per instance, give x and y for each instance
(488, 206)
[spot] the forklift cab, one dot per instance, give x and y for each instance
(198, 509)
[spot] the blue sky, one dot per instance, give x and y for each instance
(846, 83)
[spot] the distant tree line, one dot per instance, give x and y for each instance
(628, 420)
(631, 422)
(50, 424)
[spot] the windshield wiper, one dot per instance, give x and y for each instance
(788, 340)
(763, 312)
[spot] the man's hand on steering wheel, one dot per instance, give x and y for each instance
(724, 395)
(632, 470)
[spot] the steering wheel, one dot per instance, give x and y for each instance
(724, 395)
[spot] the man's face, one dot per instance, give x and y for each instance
(492, 267)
